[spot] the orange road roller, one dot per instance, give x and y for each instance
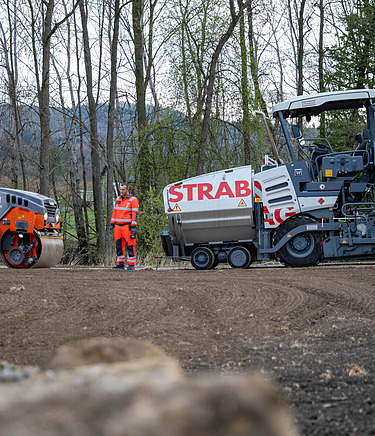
(30, 230)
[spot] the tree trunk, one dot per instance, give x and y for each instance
(111, 124)
(322, 127)
(11, 69)
(300, 48)
(73, 170)
(193, 124)
(259, 100)
(43, 88)
(43, 98)
(297, 39)
(245, 94)
(71, 145)
(280, 88)
(140, 87)
(95, 155)
(210, 86)
(79, 124)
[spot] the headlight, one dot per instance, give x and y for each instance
(45, 215)
(57, 216)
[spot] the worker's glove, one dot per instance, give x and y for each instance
(133, 231)
(111, 227)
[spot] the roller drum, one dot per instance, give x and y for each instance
(52, 248)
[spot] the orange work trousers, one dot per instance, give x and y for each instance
(123, 240)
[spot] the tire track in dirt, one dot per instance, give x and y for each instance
(348, 289)
(275, 297)
(357, 290)
(191, 314)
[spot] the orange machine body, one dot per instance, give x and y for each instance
(28, 238)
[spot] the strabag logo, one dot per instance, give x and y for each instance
(309, 103)
(206, 191)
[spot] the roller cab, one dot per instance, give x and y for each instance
(30, 229)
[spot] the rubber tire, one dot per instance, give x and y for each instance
(202, 258)
(7, 234)
(239, 257)
(302, 250)
(15, 256)
(215, 264)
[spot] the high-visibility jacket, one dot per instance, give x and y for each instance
(125, 211)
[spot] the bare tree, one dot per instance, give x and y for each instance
(111, 119)
(245, 92)
(188, 53)
(235, 16)
(259, 100)
(77, 111)
(70, 128)
(141, 80)
(321, 62)
(11, 65)
(42, 75)
(299, 24)
(95, 152)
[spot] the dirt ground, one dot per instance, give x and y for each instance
(311, 329)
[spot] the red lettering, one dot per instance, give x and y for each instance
(179, 195)
(189, 189)
(282, 214)
(242, 188)
(277, 216)
(224, 189)
(288, 214)
(204, 190)
(270, 221)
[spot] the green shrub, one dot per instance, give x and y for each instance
(151, 221)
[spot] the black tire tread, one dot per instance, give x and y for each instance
(285, 256)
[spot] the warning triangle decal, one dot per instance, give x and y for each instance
(177, 208)
(242, 203)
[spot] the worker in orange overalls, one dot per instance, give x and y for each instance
(124, 221)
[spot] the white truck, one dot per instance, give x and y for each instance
(320, 206)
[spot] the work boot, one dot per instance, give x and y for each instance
(118, 266)
(130, 267)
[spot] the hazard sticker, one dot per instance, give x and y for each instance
(176, 208)
(242, 203)
(329, 173)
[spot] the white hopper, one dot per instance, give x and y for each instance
(213, 207)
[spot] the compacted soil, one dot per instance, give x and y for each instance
(310, 329)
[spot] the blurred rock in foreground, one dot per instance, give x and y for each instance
(131, 387)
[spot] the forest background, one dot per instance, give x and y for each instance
(97, 92)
